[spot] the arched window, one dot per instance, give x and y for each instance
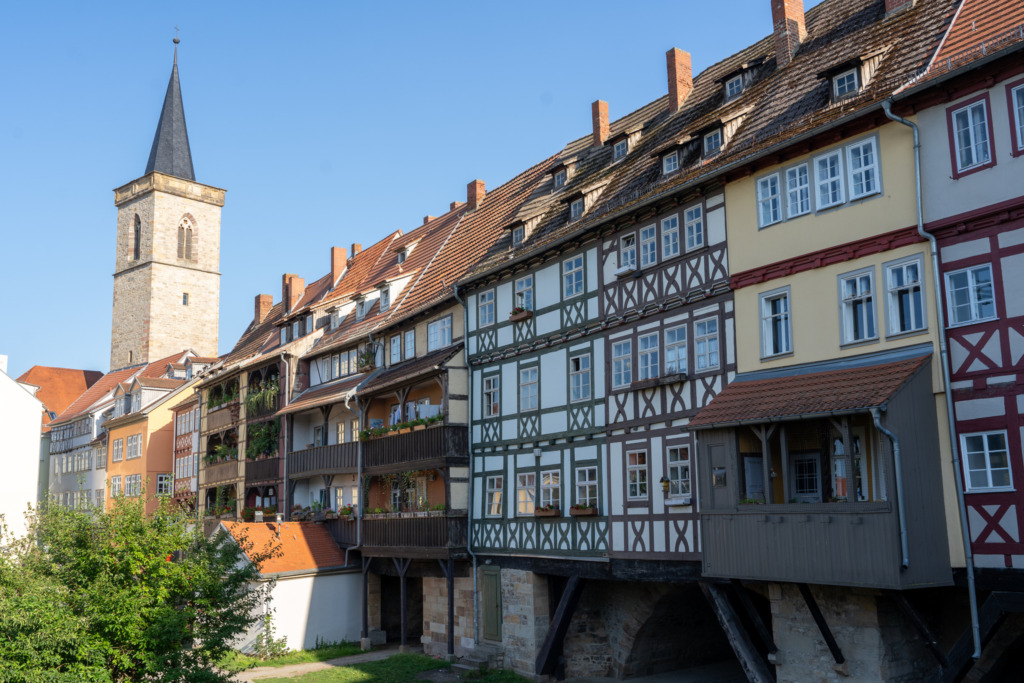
(181, 242)
(186, 240)
(188, 244)
(138, 238)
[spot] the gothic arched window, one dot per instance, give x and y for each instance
(181, 241)
(138, 238)
(188, 244)
(186, 240)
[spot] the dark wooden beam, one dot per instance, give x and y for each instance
(448, 567)
(755, 617)
(551, 649)
(754, 666)
(402, 564)
(819, 619)
(922, 628)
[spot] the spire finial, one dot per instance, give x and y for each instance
(176, 41)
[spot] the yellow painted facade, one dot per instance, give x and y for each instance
(156, 430)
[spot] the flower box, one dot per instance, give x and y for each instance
(521, 315)
(553, 512)
(583, 512)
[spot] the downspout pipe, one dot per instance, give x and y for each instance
(359, 484)
(286, 507)
(469, 442)
(940, 319)
(901, 509)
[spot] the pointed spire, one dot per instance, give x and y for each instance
(170, 153)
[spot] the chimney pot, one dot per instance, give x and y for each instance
(475, 192)
(264, 302)
(599, 113)
(788, 22)
(292, 287)
(338, 259)
(680, 77)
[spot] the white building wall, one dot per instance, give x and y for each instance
(21, 421)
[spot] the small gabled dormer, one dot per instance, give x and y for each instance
(577, 205)
(849, 78)
(623, 142)
(739, 79)
(362, 305)
(521, 228)
(384, 294)
(561, 173)
(671, 157)
(336, 316)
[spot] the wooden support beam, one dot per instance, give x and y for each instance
(402, 565)
(448, 567)
(784, 442)
(366, 598)
(551, 649)
(819, 619)
(756, 669)
(990, 615)
(922, 628)
(755, 617)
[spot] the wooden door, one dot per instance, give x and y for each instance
(491, 597)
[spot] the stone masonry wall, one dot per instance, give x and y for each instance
(435, 616)
(875, 640)
(525, 618)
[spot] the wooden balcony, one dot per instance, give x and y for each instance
(222, 417)
(343, 531)
(262, 410)
(417, 449)
(322, 460)
(441, 536)
(263, 470)
(219, 472)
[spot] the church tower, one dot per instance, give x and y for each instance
(167, 270)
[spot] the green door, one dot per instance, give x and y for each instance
(491, 596)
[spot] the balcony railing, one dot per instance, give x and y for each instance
(257, 409)
(418, 446)
(222, 471)
(414, 535)
(262, 470)
(344, 531)
(221, 417)
(322, 460)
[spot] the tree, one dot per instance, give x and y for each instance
(116, 596)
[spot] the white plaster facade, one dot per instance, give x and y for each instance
(21, 416)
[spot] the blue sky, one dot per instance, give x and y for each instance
(327, 123)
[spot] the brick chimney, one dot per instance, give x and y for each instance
(680, 77)
(893, 5)
(788, 20)
(356, 248)
(292, 287)
(599, 114)
(427, 219)
(454, 205)
(338, 259)
(264, 302)
(475, 192)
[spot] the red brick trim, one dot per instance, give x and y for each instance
(978, 219)
(1016, 141)
(950, 132)
(826, 257)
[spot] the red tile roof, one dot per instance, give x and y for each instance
(58, 387)
(97, 391)
(321, 396)
(304, 546)
(159, 382)
(158, 368)
(976, 22)
(403, 372)
(799, 395)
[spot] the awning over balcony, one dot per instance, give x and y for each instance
(403, 372)
(334, 392)
(856, 386)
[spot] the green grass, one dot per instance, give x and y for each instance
(396, 669)
(236, 661)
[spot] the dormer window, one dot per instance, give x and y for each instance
(560, 177)
(620, 149)
(733, 87)
(286, 334)
(385, 298)
(518, 235)
(845, 84)
(360, 309)
(713, 142)
(670, 163)
(576, 209)
(136, 401)
(402, 254)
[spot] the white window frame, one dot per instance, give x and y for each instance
(693, 220)
(587, 491)
(769, 204)
(575, 209)
(648, 245)
(118, 449)
(385, 298)
(776, 323)
(360, 309)
(551, 488)
(894, 294)
(840, 80)
(402, 255)
(648, 356)
(986, 452)
(705, 342)
(495, 491)
(561, 176)
(572, 276)
(523, 292)
(115, 486)
(733, 87)
(670, 235)
(831, 181)
(627, 252)
(526, 494)
(637, 475)
(492, 395)
(439, 333)
(579, 378)
(678, 473)
(410, 344)
(675, 350)
(713, 142)
(974, 145)
(867, 172)
(798, 190)
(858, 307)
(164, 484)
(622, 363)
(529, 388)
(974, 300)
(620, 149)
(518, 234)
(670, 163)
(396, 348)
(1017, 105)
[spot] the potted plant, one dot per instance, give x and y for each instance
(519, 313)
(583, 510)
(347, 512)
(367, 361)
(547, 511)
(436, 510)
